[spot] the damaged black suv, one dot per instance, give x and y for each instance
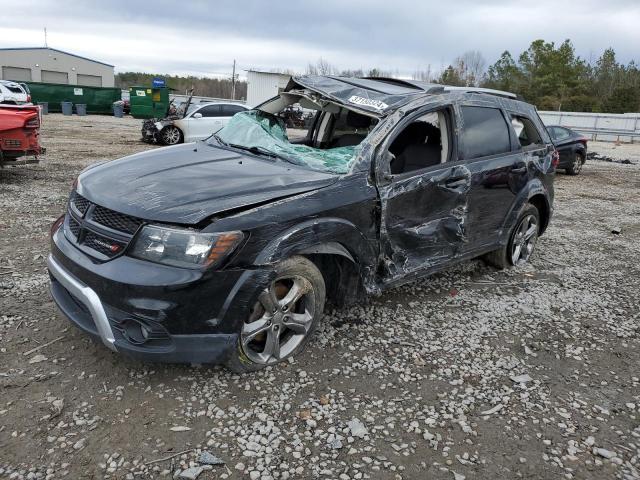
(225, 250)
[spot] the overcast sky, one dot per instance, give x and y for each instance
(203, 38)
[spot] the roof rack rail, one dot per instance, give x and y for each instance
(489, 91)
(436, 88)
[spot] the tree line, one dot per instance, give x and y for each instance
(202, 86)
(550, 76)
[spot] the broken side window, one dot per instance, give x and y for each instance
(422, 143)
(526, 132)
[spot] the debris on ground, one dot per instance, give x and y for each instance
(414, 384)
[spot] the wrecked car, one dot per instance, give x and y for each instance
(226, 250)
(197, 122)
(20, 134)
(571, 146)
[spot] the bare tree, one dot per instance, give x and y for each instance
(423, 75)
(324, 67)
(471, 67)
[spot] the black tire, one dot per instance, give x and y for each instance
(171, 135)
(502, 258)
(294, 269)
(576, 165)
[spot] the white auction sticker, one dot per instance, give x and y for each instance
(367, 102)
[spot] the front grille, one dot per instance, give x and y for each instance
(105, 245)
(115, 220)
(80, 203)
(84, 223)
(74, 227)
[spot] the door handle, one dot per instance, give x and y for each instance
(519, 169)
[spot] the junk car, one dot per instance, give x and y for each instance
(197, 122)
(14, 93)
(226, 250)
(19, 133)
(571, 146)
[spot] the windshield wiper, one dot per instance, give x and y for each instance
(257, 150)
(217, 137)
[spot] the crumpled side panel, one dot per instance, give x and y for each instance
(425, 219)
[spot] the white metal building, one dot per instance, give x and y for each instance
(53, 66)
(262, 86)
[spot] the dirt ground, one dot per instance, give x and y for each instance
(471, 374)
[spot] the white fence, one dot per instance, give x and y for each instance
(606, 127)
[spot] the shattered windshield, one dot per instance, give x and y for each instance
(266, 133)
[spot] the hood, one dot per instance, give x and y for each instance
(187, 183)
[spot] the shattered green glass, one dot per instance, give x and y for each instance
(255, 128)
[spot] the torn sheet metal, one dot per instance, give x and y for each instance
(424, 219)
(360, 93)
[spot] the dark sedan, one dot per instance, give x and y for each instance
(572, 147)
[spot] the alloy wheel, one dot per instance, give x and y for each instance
(171, 136)
(524, 240)
(280, 320)
(577, 164)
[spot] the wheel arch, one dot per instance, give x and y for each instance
(544, 210)
(536, 194)
(336, 246)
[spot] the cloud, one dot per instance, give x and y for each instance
(200, 37)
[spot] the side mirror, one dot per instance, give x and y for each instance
(197, 115)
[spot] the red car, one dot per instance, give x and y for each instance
(19, 133)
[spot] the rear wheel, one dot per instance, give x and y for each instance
(576, 164)
(171, 135)
(522, 241)
(283, 318)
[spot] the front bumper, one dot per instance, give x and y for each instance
(190, 316)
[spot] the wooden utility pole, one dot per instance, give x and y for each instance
(233, 81)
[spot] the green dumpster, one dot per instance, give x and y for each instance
(97, 99)
(146, 102)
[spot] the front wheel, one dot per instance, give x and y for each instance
(283, 318)
(522, 241)
(171, 135)
(576, 164)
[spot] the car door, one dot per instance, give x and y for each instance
(498, 171)
(423, 195)
(204, 122)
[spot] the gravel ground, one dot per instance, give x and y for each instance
(473, 373)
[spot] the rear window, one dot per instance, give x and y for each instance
(559, 133)
(526, 132)
(14, 88)
(484, 132)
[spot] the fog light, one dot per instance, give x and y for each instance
(135, 331)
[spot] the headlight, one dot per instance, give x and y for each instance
(184, 248)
